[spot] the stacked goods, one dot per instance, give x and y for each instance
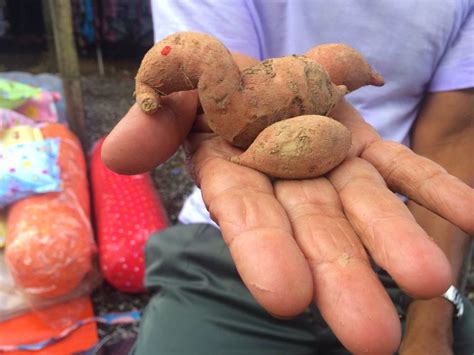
(49, 245)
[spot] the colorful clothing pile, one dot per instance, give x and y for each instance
(28, 163)
(45, 226)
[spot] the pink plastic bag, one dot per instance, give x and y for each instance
(10, 118)
(41, 107)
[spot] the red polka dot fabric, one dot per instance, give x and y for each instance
(127, 211)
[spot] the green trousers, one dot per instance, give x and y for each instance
(201, 306)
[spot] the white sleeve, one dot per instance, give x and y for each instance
(456, 68)
(228, 20)
(194, 210)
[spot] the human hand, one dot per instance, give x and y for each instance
(299, 241)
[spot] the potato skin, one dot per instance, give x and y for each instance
(273, 90)
(182, 61)
(298, 148)
(345, 65)
(238, 105)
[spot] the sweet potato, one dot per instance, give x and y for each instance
(270, 92)
(239, 105)
(181, 61)
(300, 147)
(345, 65)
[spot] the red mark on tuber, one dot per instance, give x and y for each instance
(165, 51)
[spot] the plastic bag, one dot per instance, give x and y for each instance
(3, 227)
(12, 302)
(13, 94)
(50, 249)
(10, 118)
(41, 107)
(28, 168)
(46, 81)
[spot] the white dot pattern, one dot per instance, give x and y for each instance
(127, 211)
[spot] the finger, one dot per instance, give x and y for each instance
(200, 124)
(256, 229)
(389, 231)
(363, 134)
(347, 293)
(140, 142)
(424, 181)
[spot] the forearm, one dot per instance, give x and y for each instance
(450, 239)
(443, 134)
(450, 144)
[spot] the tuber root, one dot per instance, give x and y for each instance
(239, 105)
(300, 147)
(181, 61)
(345, 65)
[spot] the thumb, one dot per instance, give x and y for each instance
(140, 142)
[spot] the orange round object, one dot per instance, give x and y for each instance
(49, 242)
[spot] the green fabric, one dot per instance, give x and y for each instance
(201, 306)
(13, 94)
(464, 331)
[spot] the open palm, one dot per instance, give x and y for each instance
(298, 241)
